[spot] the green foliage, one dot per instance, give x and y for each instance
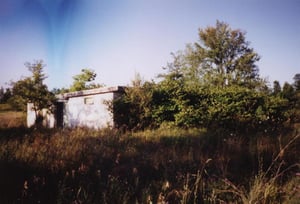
(5, 95)
(297, 82)
(32, 89)
(234, 108)
(165, 96)
(276, 87)
(296, 104)
(222, 57)
(84, 80)
(292, 95)
(288, 91)
(214, 83)
(133, 108)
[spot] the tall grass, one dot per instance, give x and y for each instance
(162, 166)
(267, 186)
(10, 118)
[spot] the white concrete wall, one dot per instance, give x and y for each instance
(30, 115)
(81, 108)
(48, 121)
(88, 111)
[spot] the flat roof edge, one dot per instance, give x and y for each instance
(87, 92)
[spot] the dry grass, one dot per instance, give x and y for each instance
(267, 185)
(167, 165)
(9, 119)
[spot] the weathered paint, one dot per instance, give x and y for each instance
(30, 115)
(81, 109)
(48, 117)
(88, 111)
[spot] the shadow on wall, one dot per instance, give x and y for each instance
(48, 118)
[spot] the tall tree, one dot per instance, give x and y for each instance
(33, 90)
(222, 57)
(276, 87)
(288, 91)
(297, 97)
(5, 95)
(222, 60)
(297, 82)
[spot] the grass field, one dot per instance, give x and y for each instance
(10, 118)
(167, 165)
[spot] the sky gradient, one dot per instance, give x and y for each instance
(120, 38)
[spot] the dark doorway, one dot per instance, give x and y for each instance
(59, 114)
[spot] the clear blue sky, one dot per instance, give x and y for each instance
(120, 38)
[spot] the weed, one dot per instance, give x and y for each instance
(167, 166)
(265, 187)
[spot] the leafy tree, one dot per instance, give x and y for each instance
(5, 95)
(213, 83)
(288, 91)
(140, 95)
(84, 80)
(276, 87)
(32, 90)
(1, 93)
(56, 91)
(165, 97)
(134, 107)
(222, 57)
(297, 82)
(296, 104)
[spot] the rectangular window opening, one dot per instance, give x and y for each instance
(88, 101)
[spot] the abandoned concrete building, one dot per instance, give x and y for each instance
(85, 108)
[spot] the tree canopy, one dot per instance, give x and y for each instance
(84, 80)
(213, 83)
(32, 89)
(221, 57)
